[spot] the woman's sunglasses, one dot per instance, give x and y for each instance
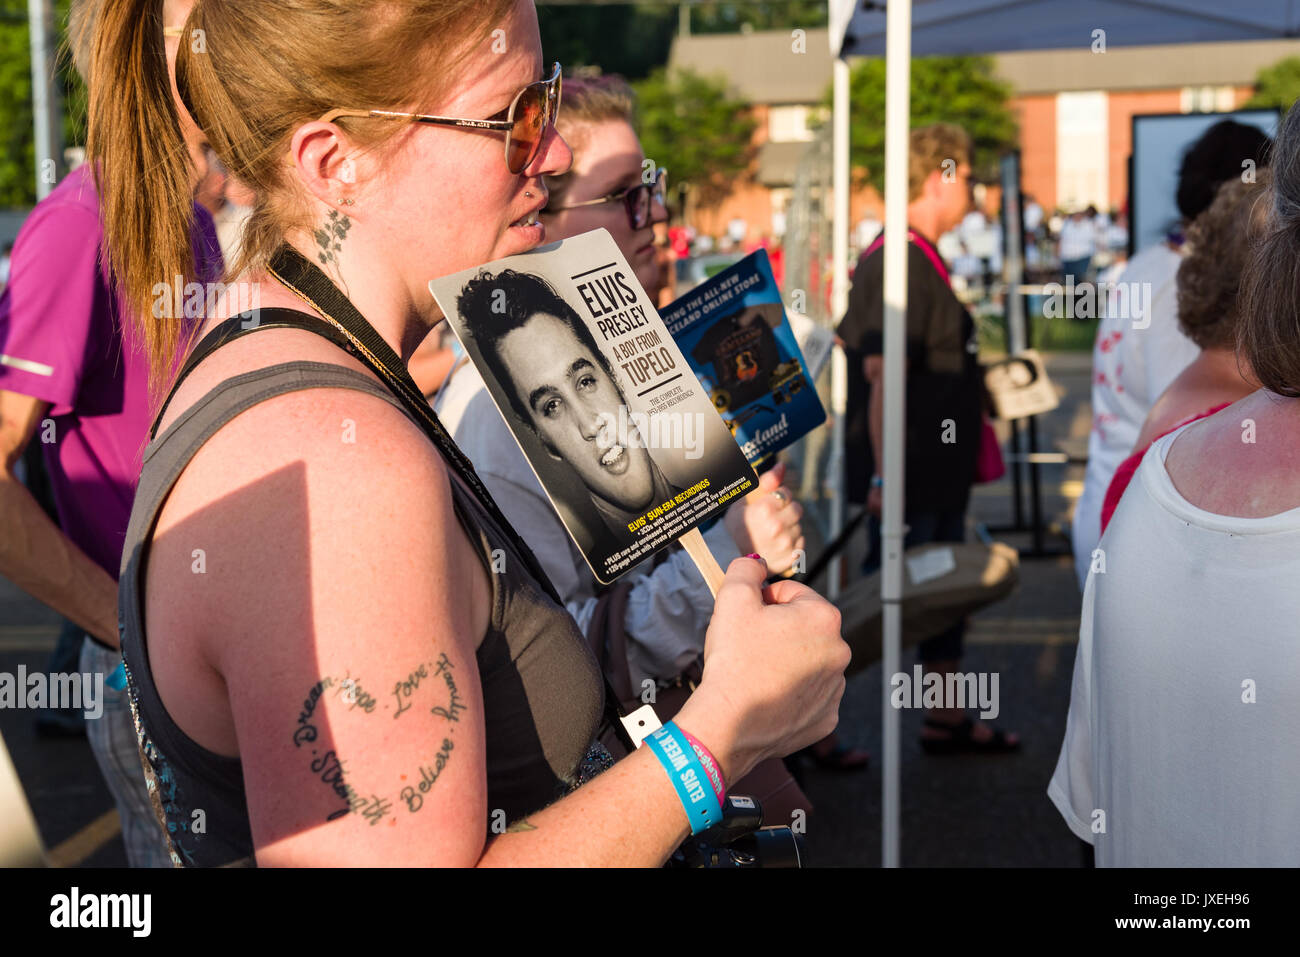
(524, 123)
(637, 200)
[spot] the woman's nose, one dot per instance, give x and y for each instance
(554, 158)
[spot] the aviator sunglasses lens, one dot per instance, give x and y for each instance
(529, 124)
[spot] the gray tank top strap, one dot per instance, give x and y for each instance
(193, 427)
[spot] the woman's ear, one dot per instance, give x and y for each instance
(327, 163)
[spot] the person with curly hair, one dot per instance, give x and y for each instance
(1209, 312)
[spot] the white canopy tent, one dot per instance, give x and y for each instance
(897, 29)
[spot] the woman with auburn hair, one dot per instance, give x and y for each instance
(322, 652)
(1179, 748)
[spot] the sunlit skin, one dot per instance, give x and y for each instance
(608, 159)
(569, 394)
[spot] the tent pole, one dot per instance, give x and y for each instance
(898, 53)
(46, 117)
(839, 305)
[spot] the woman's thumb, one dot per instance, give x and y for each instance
(771, 480)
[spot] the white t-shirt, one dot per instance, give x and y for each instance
(1133, 362)
(1078, 239)
(1183, 728)
(1033, 217)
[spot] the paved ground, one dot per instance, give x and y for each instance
(72, 806)
(956, 811)
(990, 811)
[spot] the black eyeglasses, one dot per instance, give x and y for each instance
(636, 200)
(524, 123)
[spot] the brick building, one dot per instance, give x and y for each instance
(1075, 109)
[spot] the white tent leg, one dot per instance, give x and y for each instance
(45, 101)
(839, 305)
(898, 57)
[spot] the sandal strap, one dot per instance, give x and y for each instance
(961, 729)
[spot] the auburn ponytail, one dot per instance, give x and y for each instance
(142, 171)
(249, 72)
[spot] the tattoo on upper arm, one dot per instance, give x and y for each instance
(331, 768)
(413, 795)
(454, 705)
(373, 808)
(403, 690)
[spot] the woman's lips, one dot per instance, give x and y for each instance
(528, 237)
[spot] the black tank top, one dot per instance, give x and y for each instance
(542, 690)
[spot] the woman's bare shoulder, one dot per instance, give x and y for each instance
(1244, 461)
(1185, 398)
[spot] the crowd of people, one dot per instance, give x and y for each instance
(1178, 749)
(250, 585)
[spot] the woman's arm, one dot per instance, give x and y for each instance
(348, 615)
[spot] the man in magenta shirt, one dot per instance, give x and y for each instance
(69, 379)
(72, 379)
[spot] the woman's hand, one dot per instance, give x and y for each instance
(766, 522)
(773, 671)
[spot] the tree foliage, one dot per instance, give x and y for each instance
(779, 15)
(628, 39)
(951, 89)
(1277, 85)
(17, 139)
(634, 38)
(692, 126)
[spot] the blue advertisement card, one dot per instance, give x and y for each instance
(736, 337)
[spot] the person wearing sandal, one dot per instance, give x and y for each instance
(943, 392)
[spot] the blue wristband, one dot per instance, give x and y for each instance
(688, 776)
